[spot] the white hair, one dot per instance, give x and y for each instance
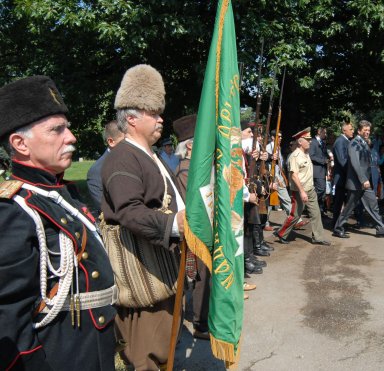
(121, 117)
(25, 131)
(181, 149)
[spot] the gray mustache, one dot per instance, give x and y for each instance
(69, 148)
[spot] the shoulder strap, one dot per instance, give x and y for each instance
(9, 188)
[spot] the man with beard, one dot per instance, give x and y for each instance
(57, 286)
(359, 182)
(140, 195)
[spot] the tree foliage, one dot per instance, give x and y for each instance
(333, 51)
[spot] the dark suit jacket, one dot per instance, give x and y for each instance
(340, 154)
(94, 183)
(318, 155)
(359, 164)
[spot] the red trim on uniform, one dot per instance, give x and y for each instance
(54, 222)
(288, 221)
(95, 323)
(86, 276)
(37, 184)
(58, 176)
(22, 354)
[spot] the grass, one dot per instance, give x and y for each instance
(78, 174)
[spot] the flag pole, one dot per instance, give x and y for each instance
(177, 307)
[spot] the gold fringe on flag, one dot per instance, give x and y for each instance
(225, 351)
(197, 246)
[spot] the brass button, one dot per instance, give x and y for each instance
(64, 221)
(101, 320)
(77, 234)
(95, 274)
(84, 255)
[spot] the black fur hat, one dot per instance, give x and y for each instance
(28, 100)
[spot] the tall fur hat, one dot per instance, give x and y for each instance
(142, 88)
(28, 100)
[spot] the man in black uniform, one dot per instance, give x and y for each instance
(57, 288)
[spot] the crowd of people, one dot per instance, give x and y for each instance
(60, 304)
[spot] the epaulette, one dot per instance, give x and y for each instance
(9, 188)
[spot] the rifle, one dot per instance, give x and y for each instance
(263, 170)
(274, 198)
(252, 169)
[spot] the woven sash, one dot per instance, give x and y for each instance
(145, 274)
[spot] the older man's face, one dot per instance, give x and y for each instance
(149, 127)
(51, 144)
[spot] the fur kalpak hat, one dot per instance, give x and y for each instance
(184, 127)
(28, 100)
(142, 88)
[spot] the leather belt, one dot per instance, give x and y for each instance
(93, 299)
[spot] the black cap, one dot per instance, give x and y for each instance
(28, 100)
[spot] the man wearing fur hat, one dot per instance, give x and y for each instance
(140, 194)
(57, 286)
(303, 191)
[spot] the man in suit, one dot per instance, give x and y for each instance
(112, 136)
(319, 158)
(359, 182)
(340, 153)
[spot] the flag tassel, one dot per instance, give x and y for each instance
(223, 350)
(197, 246)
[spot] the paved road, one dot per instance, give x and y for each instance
(315, 308)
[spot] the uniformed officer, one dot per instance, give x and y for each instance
(57, 286)
(303, 191)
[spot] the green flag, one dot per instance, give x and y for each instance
(214, 201)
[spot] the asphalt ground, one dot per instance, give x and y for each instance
(315, 308)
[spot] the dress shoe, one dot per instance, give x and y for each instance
(320, 242)
(246, 296)
(339, 234)
(251, 268)
(249, 286)
(268, 228)
(201, 335)
(260, 252)
(266, 247)
(249, 265)
(301, 224)
(281, 239)
(256, 270)
(257, 262)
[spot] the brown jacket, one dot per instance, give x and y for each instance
(133, 190)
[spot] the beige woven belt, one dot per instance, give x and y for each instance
(93, 299)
